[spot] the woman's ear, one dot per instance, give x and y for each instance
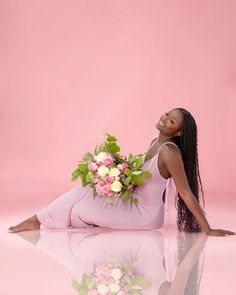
(179, 133)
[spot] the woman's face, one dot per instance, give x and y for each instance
(171, 123)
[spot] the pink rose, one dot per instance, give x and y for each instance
(125, 165)
(107, 189)
(120, 167)
(103, 189)
(92, 167)
(108, 280)
(101, 182)
(109, 156)
(108, 162)
(108, 179)
(102, 271)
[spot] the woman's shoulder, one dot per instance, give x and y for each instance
(170, 148)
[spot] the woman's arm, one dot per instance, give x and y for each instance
(172, 160)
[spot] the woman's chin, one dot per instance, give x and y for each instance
(158, 126)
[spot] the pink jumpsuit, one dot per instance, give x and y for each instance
(77, 208)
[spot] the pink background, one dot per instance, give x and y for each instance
(73, 70)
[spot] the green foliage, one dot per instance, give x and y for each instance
(112, 148)
(125, 195)
(138, 162)
(138, 180)
(81, 172)
(147, 173)
(100, 148)
(135, 200)
(89, 177)
(87, 157)
(130, 158)
(127, 180)
(128, 172)
(110, 138)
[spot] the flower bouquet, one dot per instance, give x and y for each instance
(110, 174)
(112, 278)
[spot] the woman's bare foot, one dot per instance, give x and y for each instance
(31, 223)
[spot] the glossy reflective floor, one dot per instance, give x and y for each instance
(117, 262)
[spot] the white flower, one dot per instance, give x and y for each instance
(136, 287)
(114, 172)
(103, 171)
(116, 186)
(116, 273)
(103, 289)
(114, 288)
(137, 172)
(101, 156)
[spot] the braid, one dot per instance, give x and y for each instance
(188, 145)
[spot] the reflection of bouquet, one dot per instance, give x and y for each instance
(110, 174)
(112, 278)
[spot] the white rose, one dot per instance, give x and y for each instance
(114, 288)
(114, 172)
(103, 289)
(136, 287)
(116, 186)
(101, 156)
(116, 273)
(103, 171)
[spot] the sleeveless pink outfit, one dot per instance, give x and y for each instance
(77, 207)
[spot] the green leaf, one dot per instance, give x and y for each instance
(128, 172)
(110, 138)
(112, 148)
(138, 280)
(127, 180)
(75, 174)
(138, 161)
(135, 200)
(82, 168)
(130, 158)
(147, 174)
(125, 195)
(89, 177)
(138, 179)
(88, 157)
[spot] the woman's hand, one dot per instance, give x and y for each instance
(220, 232)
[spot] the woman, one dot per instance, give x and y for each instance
(172, 154)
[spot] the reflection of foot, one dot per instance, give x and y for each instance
(31, 223)
(30, 236)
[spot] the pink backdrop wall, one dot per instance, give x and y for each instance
(73, 70)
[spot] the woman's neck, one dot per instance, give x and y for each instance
(163, 138)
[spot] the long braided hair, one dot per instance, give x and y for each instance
(188, 145)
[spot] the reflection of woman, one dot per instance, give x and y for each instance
(186, 279)
(144, 251)
(172, 154)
